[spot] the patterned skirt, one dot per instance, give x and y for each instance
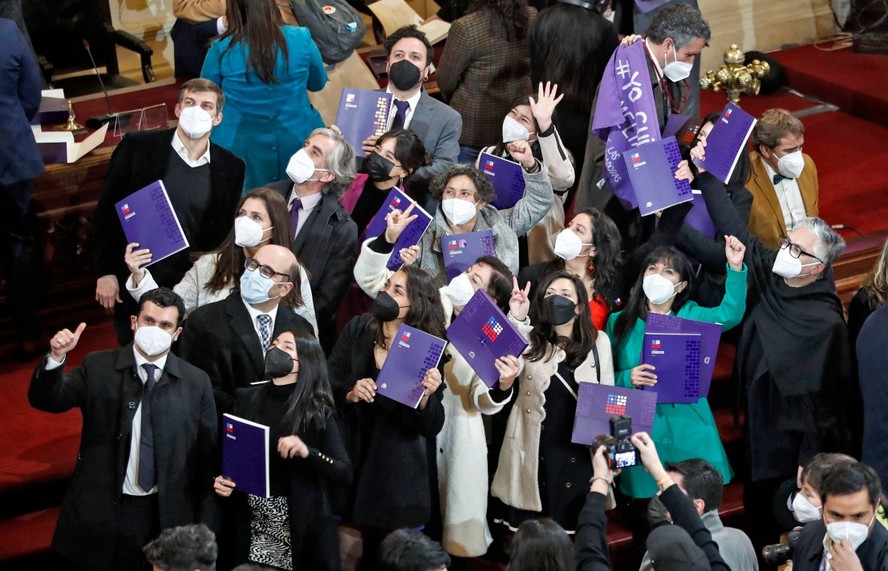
(270, 532)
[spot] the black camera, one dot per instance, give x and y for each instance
(621, 452)
(779, 553)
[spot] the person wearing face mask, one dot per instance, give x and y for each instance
(437, 125)
(203, 181)
(229, 338)
(485, 67)
(588, 248)
(680, 431)
(540, 473)
(389, 443)
(294, 528)
(530, 123)
(847, 536)
(784, 179)
(266, 69)
(261, 219)
(148, 473)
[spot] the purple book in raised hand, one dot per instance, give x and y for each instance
(596, 404)
(482, 334)
(413, 353)
(710, 335)
(726, 141)
(362, 113)
(245, 450)
(461, 250)
(507, 178)
(148, 218)
(412, 234)
(652, 173)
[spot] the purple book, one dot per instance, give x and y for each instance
(596, 404)
(398, 200)
(726, 141)
(362, 113)
(698, 217)
(461, 250)
(482, 334)
(652, 173)
(52, 111)
(677, 359)
(413, 353)
(507, 178)
(245, 450)
(682, 127)
(148, 218)
(710, 335)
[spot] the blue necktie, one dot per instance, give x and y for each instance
(400, 119)
(147, 472)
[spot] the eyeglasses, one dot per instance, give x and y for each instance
(794, 249)
(251, 264)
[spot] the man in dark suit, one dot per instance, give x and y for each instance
(228, 339)
(204, 183)
(848, 536)
(20, 162)
(148, 443)
(324, 235)
(437, 125)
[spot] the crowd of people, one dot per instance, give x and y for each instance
(283, 311)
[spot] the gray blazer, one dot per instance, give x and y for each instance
(438, 127)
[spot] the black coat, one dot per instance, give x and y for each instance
(872, 365)
(386, 440)
(220, 339)
(808, 551)
(326, 247)
(105, 387)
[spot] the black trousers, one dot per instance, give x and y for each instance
(20, 260)
(139, 520)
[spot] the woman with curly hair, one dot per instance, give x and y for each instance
(485, 67)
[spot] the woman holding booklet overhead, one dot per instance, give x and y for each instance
(680, 431)
(540, 472)
(388, 442)
(294, 527)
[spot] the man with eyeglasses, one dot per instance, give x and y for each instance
(793, 358)
(228, 339)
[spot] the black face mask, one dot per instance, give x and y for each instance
(385, 307)
(404, 75)
(277, 363)
(557, 310)
(378, 167)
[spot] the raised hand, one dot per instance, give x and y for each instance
(544, 105)
(223, 486)
(521, 152)
(135, 259)
(519, 303)
(683, 172)
(507, 366)
(108, 292)
(431, 381)
(64, 341)
(734, 251)
(364, 390)
(396, 221)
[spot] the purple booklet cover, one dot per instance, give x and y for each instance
(652, 173)
(461, 250)
(596, 404)
(362, 113)
(698, 217)
(413, 353)
(52, 111)
(682, 127)
(726, 141)
(398, 200)
(677, 359)
(507, 178)
(245, 449)
(710, 335)
(148, 218)
(482, 334)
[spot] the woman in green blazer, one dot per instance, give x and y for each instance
(681, 431)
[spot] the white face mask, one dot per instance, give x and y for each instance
(787, 266)
(457, 210)
(791, 164)
(459, 290)
(803, 510)
(248, 233)
(568, 245)
(301, 167)
(676, 70)
(514, 131)
(195, 122)
(658, 289)
(152, 340)
(854, 532)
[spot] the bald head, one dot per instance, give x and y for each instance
(280, 259)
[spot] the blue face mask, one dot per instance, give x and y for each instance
(254, 287)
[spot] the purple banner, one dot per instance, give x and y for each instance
(625, 115)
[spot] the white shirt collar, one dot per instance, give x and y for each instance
(653, 57)
(180, 149)
(308, 202)
(140, 360)
(413, 101)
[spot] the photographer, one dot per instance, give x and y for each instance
(665, 544)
